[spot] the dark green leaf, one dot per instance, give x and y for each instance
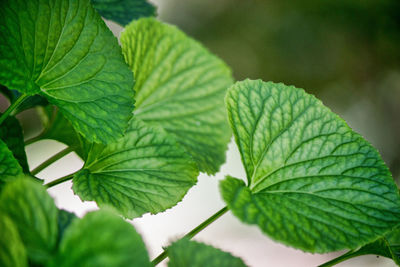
(33, 212)
(64, 220)
(145, 171)
(180, 86)
(101, 239)
(62, 50)
(313, 183)
(12, 135)
(190, 253)
(12, 250)
(124, 11)
(58, 128)
(9, 167)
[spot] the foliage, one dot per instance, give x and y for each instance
(311, 182)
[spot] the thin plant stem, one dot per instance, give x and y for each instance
(192, 233)
(13, 106)
(51, 160)
(34, 139)
(60, 180)
(341, 258)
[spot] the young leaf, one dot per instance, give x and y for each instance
(180, 86)
(190, 253)
(12, 136)
(33, 212)
(145, 171)
(63, 51)
(124, 11)
(12, 250)
(9, 167)
(101, 239)
(313, 183)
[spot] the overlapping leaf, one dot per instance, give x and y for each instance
(34, 214)
(12, 250)
(56, 127)
(12, 135)
(9, 167)
(145, 171)
(180, 86)
(191, 253)
(101, 239)
(124, 11)
(63, 50)
(313, 183)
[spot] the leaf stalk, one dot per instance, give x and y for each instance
(12, 107)
(193, 232)
(51, 160)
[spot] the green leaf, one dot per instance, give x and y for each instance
(12, 135)
(58, 128)
(9, 166)
(388, 246)
(124, 11)
(145, 171)
(12, 250)
(33, 212)
(101, 239)
(64, 220)
(190, 253)
(313, 183)
(180, 86)
(62, 50)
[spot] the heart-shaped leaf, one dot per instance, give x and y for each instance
(313, 183)
(180, 86)
(63, 51)
(145, 171)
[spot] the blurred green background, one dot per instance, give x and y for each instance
(346, 52)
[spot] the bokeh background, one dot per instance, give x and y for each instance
(346, 52)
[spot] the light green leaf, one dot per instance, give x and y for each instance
(124, 11)
(190, 253)
(63, 51)
(180, 86)
(101, 239)
(9, 167)
(12, 250)
(313, 183)
(33, 212)
(145, 171)
(12, 135)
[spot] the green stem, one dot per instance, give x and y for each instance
(346, 256)
(13, 106)
(192, 233)
(34, 139)
(60, 180)
(51, 160)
